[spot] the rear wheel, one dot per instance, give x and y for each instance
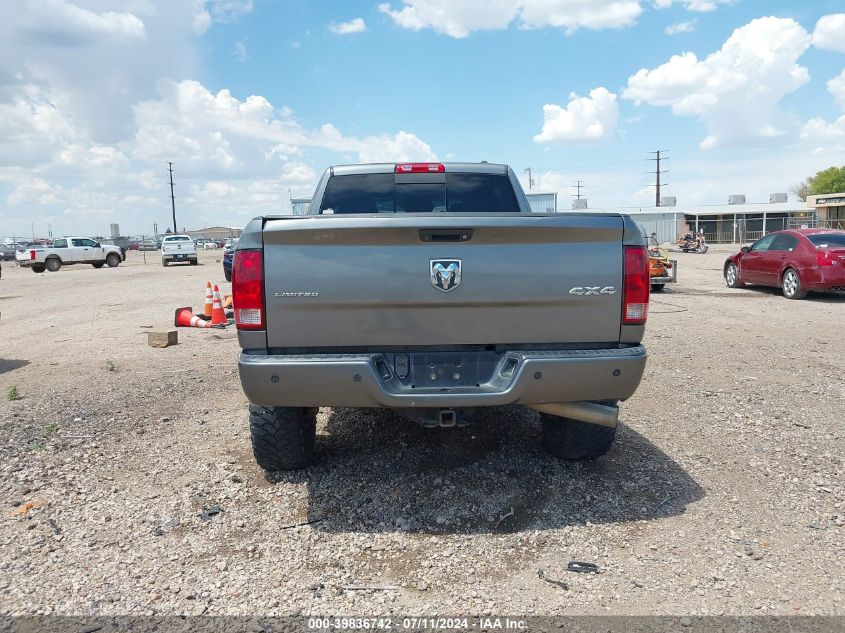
(570, 439)
(228, 275)
(53, 264)
(282, 437)
(791, 285)
(164, 263)
(113, 260)
(657, 287)
(731, 276)
(38, 268)
(194, 262)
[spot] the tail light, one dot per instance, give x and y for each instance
(826, 258)
(32, 254)
(636, 286)
(420, 168)
(248, 290)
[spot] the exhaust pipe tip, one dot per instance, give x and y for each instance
(589, 412)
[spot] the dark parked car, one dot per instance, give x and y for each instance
(798, 261)
(227, 263)
(7, 252)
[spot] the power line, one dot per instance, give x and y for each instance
(578, 184)
(657, 171)
(528, 171)
(172, 197)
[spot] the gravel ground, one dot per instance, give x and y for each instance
(128, 485)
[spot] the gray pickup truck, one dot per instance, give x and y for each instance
(432, 289)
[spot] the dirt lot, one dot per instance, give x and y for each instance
(723, 495)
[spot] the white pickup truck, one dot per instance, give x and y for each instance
(70, 250)
(178, 248)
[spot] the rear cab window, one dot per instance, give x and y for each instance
(177, 238)
(424, 193)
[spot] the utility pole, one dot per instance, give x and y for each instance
(578, 184)
(657, 172)
(530, 177)
(172, 197)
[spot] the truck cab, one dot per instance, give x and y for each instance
(178, 248)
(70, 250)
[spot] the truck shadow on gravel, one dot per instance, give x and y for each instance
(8, 364)
(378, 472)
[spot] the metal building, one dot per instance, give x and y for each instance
(300, 206)
(734, 222)
(541, 202)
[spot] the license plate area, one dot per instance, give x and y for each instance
(444, 370)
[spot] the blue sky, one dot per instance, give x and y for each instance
(252, 99)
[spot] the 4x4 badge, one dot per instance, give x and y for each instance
(445, 274)
(585, 291)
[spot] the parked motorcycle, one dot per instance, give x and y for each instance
(690, 243)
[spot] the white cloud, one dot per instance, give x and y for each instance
(219, 132)
(701, 6)
(736, 90)
(356, 25)
(680, 27)
(239, 52)
(459, 19)
(830, 32)
(402, 146)
(827, 136)
(207, 11)
(584, 119)
(60, 22)
(836, 87)
(298, 172)
(574, 14)
(85, 132)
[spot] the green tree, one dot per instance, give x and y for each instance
(830, 180)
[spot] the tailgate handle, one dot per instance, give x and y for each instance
(445, 235)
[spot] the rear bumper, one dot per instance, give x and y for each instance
(352, 380)
(827, 278)
(179, 257)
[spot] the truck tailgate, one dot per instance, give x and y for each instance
(366, 281)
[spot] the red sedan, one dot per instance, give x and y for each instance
(797, 261)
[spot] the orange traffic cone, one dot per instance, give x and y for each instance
(208, 299)
(218, 316)
(185, 317)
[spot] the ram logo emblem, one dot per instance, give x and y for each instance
(445, 274)
(586, 291)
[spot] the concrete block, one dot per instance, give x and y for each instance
(163, 339)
